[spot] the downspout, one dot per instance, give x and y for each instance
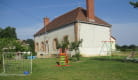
(76, 31)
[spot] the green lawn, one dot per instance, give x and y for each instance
(86, 69)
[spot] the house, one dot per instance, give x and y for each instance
(113, 43)
(75, 25)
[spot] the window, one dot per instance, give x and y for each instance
(43, 46)
(47, 42)
(47, 46)
(55, 44)
(37, 47)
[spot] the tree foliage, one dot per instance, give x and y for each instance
(10, 44)
(7, 40)
(0, 30)
(134, 4)
(5, 43)
(132, 47)
(30, 43)
(75, 46)
(127, 47)
(64, 44)
(8, 32)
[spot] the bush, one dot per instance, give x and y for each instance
(77, 55)
(34, 53)
(73, 59)
(25, 56)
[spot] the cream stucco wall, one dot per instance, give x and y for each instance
(59, 34)
(93, 37)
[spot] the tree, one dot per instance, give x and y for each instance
(132, 47)
(65, 44)
(5, 46)
(127, 47)
(124, 48)
(118, 47)
(8, 32)
(1, 30)
(75, 46)
(10, 44)
(134, 4)
(5, 43)
(30, 42)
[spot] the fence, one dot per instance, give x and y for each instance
(16, 63)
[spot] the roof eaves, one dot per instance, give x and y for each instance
(95, 23)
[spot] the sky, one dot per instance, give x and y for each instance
(27, 16)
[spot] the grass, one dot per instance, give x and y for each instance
(125, 54)
(86, 69)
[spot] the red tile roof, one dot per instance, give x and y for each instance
(78, 14)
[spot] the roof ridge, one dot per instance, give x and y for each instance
(80, 13)
(67, 13)
(63, 15)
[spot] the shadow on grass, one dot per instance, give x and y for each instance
(112, 58)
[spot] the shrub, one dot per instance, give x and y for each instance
(77, 55)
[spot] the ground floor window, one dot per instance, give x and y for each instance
(43, 47)
(37, 47)
(55, 43)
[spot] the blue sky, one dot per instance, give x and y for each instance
(27, 16)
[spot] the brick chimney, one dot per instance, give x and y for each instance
(90, 10)
(46, 21)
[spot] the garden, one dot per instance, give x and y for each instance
(122, 65)
(95, 68)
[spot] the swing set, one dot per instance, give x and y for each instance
(106, 48)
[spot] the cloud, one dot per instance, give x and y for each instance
(126, 34)
(27, 32)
